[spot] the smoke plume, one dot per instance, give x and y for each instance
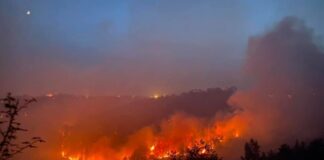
(285, 70)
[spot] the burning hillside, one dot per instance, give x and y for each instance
(126, 127)
(173, 137)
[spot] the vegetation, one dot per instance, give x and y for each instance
(10, 127)
(300, 151)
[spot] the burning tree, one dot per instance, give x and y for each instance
(10, 127)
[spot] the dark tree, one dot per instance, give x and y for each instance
(252, 151)
(300, 151)
(10, 127)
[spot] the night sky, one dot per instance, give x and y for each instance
(103, 47)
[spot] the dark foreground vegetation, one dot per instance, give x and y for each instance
(299, 151)
(313, 150)
(10, 127)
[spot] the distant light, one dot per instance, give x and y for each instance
(49, 95)
(156, 96)
(28, 12)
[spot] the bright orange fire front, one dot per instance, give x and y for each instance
(177, 135)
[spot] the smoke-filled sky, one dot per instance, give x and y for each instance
(103, 47)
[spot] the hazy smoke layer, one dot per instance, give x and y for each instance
(286, 68)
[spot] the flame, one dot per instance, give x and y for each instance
(236, 134)
(77, 156)
(152, 148)
(203, 151)
(63, 154)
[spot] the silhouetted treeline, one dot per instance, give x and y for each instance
(314, 150)
(299, 151)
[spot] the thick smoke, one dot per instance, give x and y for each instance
(286, 70)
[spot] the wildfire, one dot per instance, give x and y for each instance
(77, 156)
(71, 157)
(170, 141)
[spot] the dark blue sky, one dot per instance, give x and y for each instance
(134, 47)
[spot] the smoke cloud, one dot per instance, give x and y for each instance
(285, 69)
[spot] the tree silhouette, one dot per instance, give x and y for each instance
(10, 127)
(252, 150)
(300, 151)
